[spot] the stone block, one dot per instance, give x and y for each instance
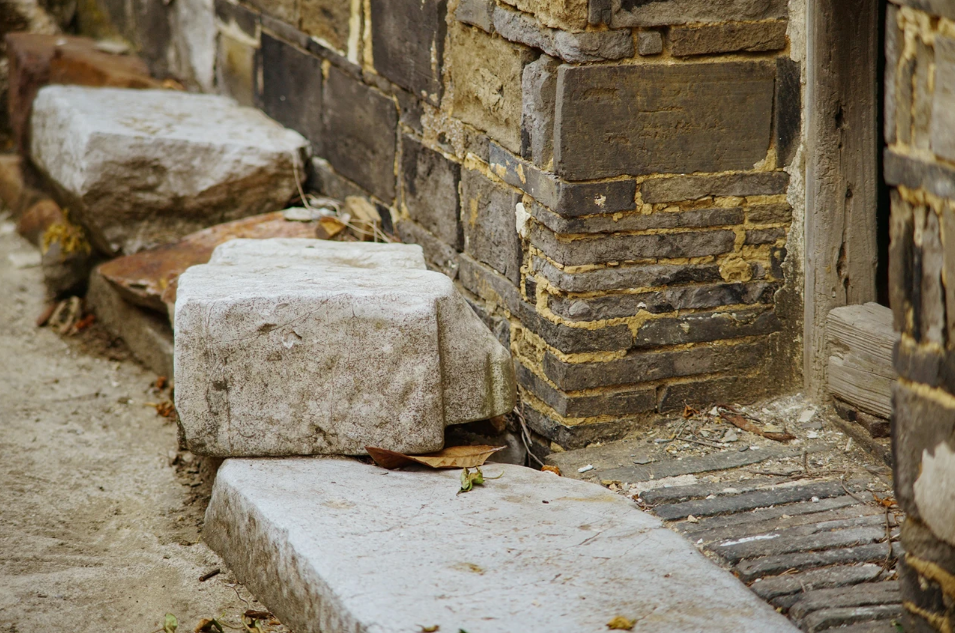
(626, 402)
(903, 113)
(490, 225)
(569, 15)
(37, 60)
(893, 53)
(146, 334)
(430, 190)
(694, 218)
(731, 37)
(702, 327)
(292, 88)
(479, 13)
(936, 178)
(602, 249)
(285, 31)
(537, 114)
(901, 260)
(439, 254)
(943, 104)
(360, 127)
(921, 425)
(271, 334)
(570, 47)
(637, 367)
(310, 563)
(788, 110)
(922, 95)
(323, 179)
(702, 393)
(649, 43)
(777, 213)
(692, 118)
(626, 277)
(128, 161)
(487, 73)
(680, 188)
(667, 12)
(408, 44)
(328, 20)
(236, 68)
(765, 236)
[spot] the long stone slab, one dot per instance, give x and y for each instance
(336, 545)
(139, 168)
(302, 347)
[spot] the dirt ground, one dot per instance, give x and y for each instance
(101, 514)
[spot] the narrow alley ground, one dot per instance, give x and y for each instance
(101, 514)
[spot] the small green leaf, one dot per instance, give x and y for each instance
(170, 624)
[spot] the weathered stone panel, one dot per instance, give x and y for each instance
(292, 88)
(627, 13)
(490, 233)
(614, 120)
(559, 14)
(751, 37)
(408, 44)
(430, 190)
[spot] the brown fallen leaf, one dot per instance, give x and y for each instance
(621, 623)
(451, 457)
(742, 423)
(328, 227)
(551, 469)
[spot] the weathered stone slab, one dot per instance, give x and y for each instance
(748, 501)
(148, 278)
(292, 88)
(643, 119)
(841, 576)
(359, 133)
(271, 336)
(147, 167)
(430, 190)
(666, 12)
(394, 551)
(680, 188)
(687, 41)
(408, 43)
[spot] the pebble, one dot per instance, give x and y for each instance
(584, 469)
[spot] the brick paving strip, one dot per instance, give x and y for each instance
(816, 548)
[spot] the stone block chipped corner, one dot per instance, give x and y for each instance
(301, 347)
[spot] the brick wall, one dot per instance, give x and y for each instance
(608, 186)
(920, 165)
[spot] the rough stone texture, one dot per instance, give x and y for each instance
(537, 119)
(686, 41)
(288, 11)
(570, 47)
(292, 88)
(938, 179)
(649, 43)
(438, 254)
(487, 74)
(700, 117)
(706, 326)
(235, 68)
(127, 161)
(679, 188)
(408, 44)
(430, 190)
(788, 109)
(625, 403)
(37, 60)
(695, 218)
(359, 133)
(943, 104)
(666, 12)
(271, 334)
(490, 233)
(619, 278)
(256, 521)
(328, 20)
(777, 213)
(479, 13)
(569, 15)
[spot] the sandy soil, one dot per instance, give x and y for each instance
(101, 514)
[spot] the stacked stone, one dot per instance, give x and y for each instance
(920, 133)
(608, 184)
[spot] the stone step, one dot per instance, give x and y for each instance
(335, 545)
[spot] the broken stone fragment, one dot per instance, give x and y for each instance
(139, 168)
(298, 347)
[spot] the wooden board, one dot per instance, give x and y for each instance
(861, 372)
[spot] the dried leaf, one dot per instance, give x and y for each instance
(170, 624)
(451, 457)
(328, 227)
(551, 469)
(742, 423)
(621, 623)
(689, 412)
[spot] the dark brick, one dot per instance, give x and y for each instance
(490, 232)
(694, 218)
(438, 253)
(730, 37)
(479, 13)
(935, 178)
(904, 100)
(493, 286)
(765, 236)
(411, 110)
(530, 287)
(242, 17)
(692, 117)
(328, 20)
(407, 36)
(323, 179)
(649, 43)
(430, 190)
(901, 258)
(918, 424)
(284, 30)
(705, 327)
(943, 100)
(769, 213)
(922, 106)
(637, 367)
(622, 403)
(499, 326)
(580, 435)
(893, 52)
(921, 542)
(623, 277)
(774, 565)
(679, 188)
(359, 133)
(292, 88)
(788, 113)
(630, 13)
(876, 426)
(539, 85)
(618, 248)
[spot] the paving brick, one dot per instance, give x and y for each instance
(408, 44)
(826, 619)
(490, 231)
(841, 516)
(748, 501)
(868, 594)
(666, 12)
(815, 579)
(623, 277)
(679, 188)
(360, 133)
(687, 41)
(772, 565)
(292, 88)
(699, 117)
(430, 190)
(487, 74)
(770, 516)
(328, 20)
(639, 367)
(784, 542)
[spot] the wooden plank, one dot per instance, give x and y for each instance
(865, 330)
(861, 387)
(861, 339)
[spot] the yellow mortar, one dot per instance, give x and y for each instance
(944, 579)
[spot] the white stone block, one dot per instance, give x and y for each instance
(300, 347)
(146, 167)
(334, 545)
